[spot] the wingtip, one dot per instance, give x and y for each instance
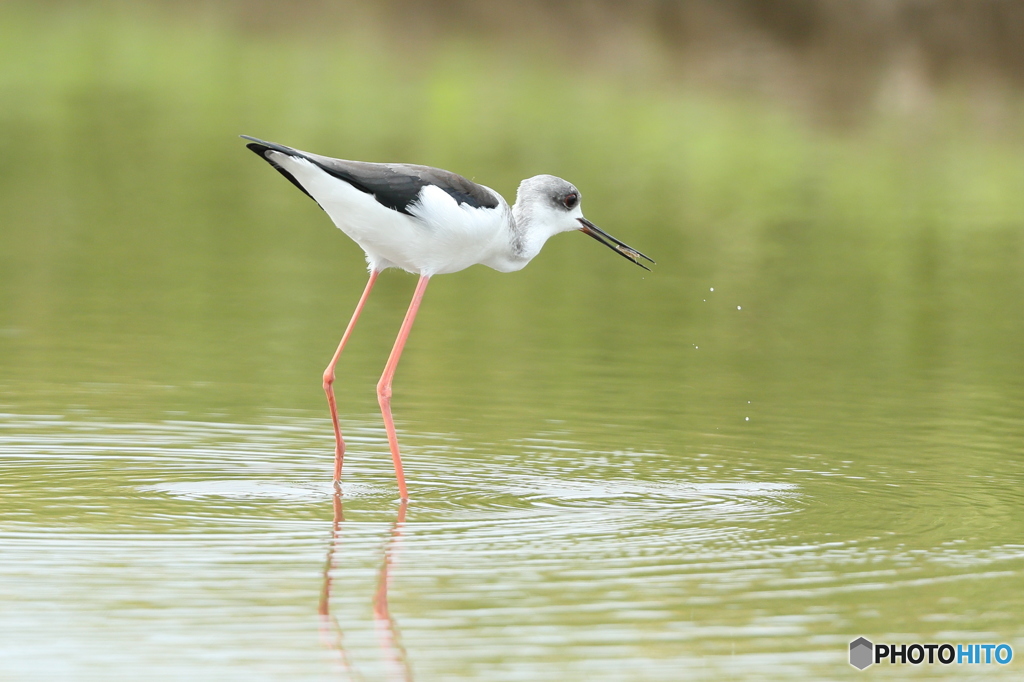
(261, 149)
(256, 145)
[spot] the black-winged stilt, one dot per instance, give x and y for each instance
(429, 222)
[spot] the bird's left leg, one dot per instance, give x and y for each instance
(384, 385)
(339, 442)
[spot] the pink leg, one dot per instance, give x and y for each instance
(384, 385)
(339, 444)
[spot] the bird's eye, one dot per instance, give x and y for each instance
(571, 199)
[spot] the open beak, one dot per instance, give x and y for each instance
(612, 243)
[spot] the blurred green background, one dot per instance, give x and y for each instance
(869, 216)
(834, 194)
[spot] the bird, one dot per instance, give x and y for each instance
(427, 221)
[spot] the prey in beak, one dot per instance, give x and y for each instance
(614, 244)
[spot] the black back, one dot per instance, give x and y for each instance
(395, 185)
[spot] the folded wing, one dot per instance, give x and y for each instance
(394, 185)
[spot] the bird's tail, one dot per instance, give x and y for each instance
(261, 149)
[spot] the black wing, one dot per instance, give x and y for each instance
(395, 185)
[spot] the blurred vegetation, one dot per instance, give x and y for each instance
(140, 242)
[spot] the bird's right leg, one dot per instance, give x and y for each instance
(339, 444)
(384, 385)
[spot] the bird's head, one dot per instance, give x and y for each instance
(546, 205)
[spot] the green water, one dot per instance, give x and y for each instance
(804, 426)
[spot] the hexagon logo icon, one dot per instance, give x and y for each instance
(861, 653)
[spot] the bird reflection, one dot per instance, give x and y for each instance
(387, 629)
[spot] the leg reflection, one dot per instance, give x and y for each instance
(386, 627)
(331, 634)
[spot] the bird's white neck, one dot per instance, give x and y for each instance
(525, 237)
(529, 223)
(510, 251)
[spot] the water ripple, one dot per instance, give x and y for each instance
(212, 537)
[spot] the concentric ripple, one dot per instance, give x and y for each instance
(207, 550)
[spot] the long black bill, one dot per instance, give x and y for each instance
(614, 244)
